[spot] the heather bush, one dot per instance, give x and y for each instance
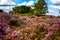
(29, 27)
(4, 30)
(39, 28)
(4, 17)
(13, 20)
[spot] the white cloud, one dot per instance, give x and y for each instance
(55, 1)
(24, 3)
(9, 2)
(55, 7)
(30, 3)
(53, 12)
(6, 8)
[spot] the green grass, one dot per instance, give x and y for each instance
(25, 14)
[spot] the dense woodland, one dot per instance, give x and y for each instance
(27, 23)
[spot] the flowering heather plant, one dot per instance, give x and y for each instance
(30, 27)
(4, 30)
(15, 33)
(4, 17)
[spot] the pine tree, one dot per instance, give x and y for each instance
(41, 7)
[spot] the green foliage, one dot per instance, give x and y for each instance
(22, 9)
(40, 7)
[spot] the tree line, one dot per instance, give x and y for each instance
(39, 8)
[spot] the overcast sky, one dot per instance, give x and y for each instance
(53, 5)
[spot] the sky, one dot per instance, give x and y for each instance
(53, 5)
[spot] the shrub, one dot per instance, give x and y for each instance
(13, 23)
(1, 10)
(14, 20)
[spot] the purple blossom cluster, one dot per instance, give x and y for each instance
(4, 17)
(4, 27)
(13, 27)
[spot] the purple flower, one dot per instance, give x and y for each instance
(55, 26)
(15, 33)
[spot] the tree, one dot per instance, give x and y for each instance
(22, 9)
(40, 7)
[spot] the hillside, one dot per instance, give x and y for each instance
(14, 27)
